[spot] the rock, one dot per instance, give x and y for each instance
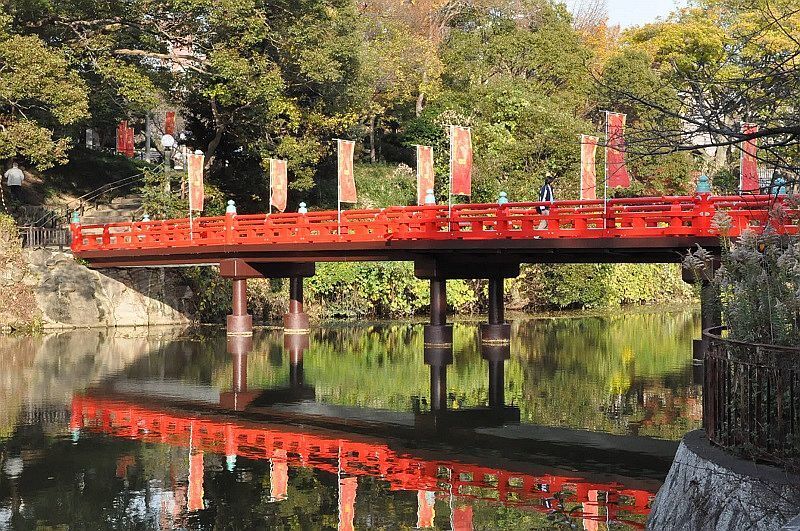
(709, 489)
(69, 294)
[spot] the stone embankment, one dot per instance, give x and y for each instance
(709, 489)
(49, 289)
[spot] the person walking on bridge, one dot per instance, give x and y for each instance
(14, 178)
(546, 196)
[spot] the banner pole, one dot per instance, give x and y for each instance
(450, 186)
(270, 187)
(605, 180)
(338, 187)
(191, 219)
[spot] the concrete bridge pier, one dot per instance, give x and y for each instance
(496, 355)
(438, 334)
(295, 345)
(438, 358)
(497, 331)
(296, 320)
(239, 322)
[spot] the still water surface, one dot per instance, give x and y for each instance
(164, 429)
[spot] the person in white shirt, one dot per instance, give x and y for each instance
(546, 196)
(14, 178)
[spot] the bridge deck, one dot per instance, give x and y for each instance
(644, 229)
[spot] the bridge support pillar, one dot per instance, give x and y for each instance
(295, 344)
(710, 309)
(438, 358)
(438, 334)
(240, 323)
(496, 354)
(296, 320)
(496, 331)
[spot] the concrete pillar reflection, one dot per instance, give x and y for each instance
(438, 358)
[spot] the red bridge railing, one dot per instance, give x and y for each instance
(642, 217)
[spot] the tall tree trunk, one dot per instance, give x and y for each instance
(219, 127)
(372, 121)
(421, 96)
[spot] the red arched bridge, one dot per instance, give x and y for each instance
(352, 456)
(465, 241)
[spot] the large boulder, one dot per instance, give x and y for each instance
(69, 295)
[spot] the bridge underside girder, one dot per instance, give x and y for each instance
(481, 253)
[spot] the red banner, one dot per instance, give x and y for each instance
(196, 161)
(588, 170)
(122, 136)
(460, 161)
(616, 170)
(347, 502)
(347, 182)
(125, 139)
(425, 174)
(195, 502)
(169, 123)
(748, 180)
(278, 184)
(425, 508)
(129, 143)
(278, 475)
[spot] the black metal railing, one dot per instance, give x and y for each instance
(39, 237)
(751, 398)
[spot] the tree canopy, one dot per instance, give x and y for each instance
(256, 79)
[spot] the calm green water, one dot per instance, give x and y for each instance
(143, 430)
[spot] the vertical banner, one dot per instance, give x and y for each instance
(122, 128)
(195, 502)
(129, 142)
(347, 182)
(196, 161)
(169, 123)
(748, 179)
(616, 170)
(278, 476)
(425, 508)
(460, 160)
(347, 503)
(278, 184)
(588, 169)
(425, 175)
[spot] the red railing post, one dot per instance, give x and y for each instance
(704, 213)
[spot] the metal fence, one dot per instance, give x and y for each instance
(38, 237)
(751, 399)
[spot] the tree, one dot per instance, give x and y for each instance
(514, 72)
(38, 93)
(729, 62)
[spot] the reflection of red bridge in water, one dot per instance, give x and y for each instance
(360, 456)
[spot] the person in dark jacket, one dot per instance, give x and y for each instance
(546, 196)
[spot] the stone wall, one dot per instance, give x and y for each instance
(70, 295)
(709, 489)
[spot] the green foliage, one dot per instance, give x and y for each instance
(38, 91)
(386, 289)
(603, 285)
(160, 200)
(385, 185)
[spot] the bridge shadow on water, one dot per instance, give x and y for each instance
(247, 404)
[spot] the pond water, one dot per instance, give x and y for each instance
(164, 428)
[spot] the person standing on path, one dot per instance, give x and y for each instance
(546, 196)
(14, 178)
